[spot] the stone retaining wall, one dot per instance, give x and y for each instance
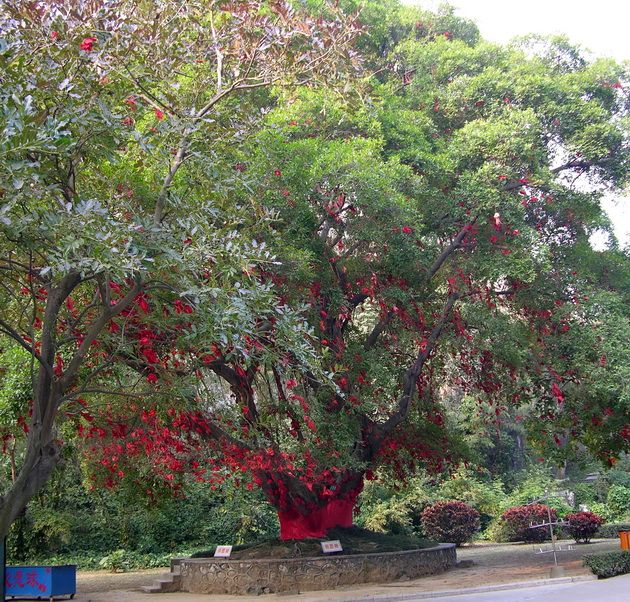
(252, 577)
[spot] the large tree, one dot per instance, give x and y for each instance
(119, 212)
(446, 227)
(435, 231)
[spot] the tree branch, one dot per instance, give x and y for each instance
(9, 331)
(381, 325)
(580, 164)
(437, 264)
(413, 372)
(180, 154)
(97, 327)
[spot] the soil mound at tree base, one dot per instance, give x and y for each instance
(354, 540)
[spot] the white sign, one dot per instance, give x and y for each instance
(331, 546)
(223, 552)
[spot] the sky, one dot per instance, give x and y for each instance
(602, 27)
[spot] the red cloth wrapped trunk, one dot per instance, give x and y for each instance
(295, 525)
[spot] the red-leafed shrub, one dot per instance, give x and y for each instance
(453, 522)
(520, 520)
(582, 525)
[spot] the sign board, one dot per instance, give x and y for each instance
(223, 552)
(38, 581)
(566, 495)
(331, 546)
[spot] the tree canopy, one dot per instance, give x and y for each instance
(242, 241)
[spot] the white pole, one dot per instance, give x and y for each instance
(553, 543)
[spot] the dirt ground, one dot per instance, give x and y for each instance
(492, 564)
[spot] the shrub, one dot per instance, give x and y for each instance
(608, 564)
(619, 476)
(117, 561)
(497, 531)
(582, 525)
(619, 500)
(585, 493)
(520, 519)
(487, 498)
(388, 517)
(611, 531)
(532, 484)
(602, 510)
(384, 510)
(455, 522)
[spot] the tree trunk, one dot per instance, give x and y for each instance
(43, 452)
(39, 463)
(311, 509)
(335, 513)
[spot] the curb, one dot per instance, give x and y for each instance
(472, 590)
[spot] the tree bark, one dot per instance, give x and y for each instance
(310, 510)
(42, 456)
(335, 513)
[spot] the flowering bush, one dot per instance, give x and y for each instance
(455, 522)
(583, 525)
(520, 519)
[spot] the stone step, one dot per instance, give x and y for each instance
(168, 583)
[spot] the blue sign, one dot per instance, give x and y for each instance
(40, 581)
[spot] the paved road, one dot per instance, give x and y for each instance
(616, 589)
